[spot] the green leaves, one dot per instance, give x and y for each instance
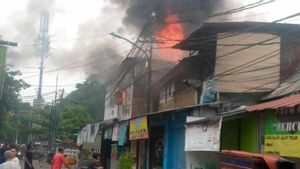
(72, 119)
(10, 102)
(126, 161)
(89, 94)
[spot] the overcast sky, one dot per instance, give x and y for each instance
(79, 29)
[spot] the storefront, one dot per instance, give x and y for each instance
(138, 136)
(281, 126)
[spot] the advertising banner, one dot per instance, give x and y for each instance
(203, 136)
(282, 133)
(138, 128)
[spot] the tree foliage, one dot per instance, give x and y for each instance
(9, 103)
(90, 94)
(72, 119)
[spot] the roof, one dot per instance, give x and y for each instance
(288, 86)
(211, 28)
(290, 101)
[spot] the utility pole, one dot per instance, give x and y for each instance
(53, 118)
(18, 123)
(30, 127)
(149, 64)
(43, 48)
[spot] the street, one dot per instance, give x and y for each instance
(41, 165)
(36, 164)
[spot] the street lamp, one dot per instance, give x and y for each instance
(149, 66)
(132, 43)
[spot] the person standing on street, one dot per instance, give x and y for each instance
(14, 157)
(59, 160)
(95, 163)
(28, 157)
(8, 164)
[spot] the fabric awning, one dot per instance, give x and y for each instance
(290, 101)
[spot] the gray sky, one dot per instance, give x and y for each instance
(79, 29)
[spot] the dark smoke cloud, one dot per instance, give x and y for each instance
(190, 12)
(25, 28)
(96, 48)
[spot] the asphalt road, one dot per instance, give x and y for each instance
(41, 165)
(37, 165)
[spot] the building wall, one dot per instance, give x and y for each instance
(242, 71)
(139, 106)
(181, 99)
(110, 111)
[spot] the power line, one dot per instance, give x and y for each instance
(74, 66)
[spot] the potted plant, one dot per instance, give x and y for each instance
(126, 161)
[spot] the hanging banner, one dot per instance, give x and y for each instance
(115, 134)
(138, 128)
(282, 134)
(203, 136)
(122, 133)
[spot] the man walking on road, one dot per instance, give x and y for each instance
(59, 160)
(14, 157)
(28, 157)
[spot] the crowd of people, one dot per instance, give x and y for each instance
(9, 159)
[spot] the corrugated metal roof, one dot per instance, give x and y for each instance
(200, 36)
(290, 101)
(289, 86)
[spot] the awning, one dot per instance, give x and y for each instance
(290, 101)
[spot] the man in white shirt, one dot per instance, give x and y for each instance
(8, 164)
(14, 157)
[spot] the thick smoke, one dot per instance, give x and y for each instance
(123, 16)
(23, 28)
(94, 50)
(89, 45)
(190, 12)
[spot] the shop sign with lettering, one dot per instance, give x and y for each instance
(138, 128)
(282, 133)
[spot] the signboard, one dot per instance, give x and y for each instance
(203, 136)
(282, 133)
(138, 128)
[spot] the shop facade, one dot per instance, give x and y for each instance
(281, 126)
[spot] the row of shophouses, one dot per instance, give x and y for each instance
(236, 89)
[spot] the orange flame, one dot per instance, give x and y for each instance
(170, 35)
